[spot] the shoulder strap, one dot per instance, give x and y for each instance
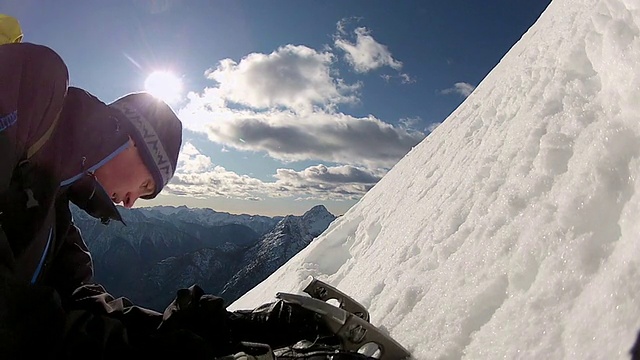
(43, 139)
(23, 167)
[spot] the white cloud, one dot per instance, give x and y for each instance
(366, 53)
(209, 101)
(462, 88)
(192, 161)
(410, 122)
(214, 182)
(341, 25)
(344, 174)
(284, 104)
(296, 77)
(406, 79)
(320, 135)
(322, 182)
(197, 177)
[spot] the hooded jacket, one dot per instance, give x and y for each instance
(51, 137)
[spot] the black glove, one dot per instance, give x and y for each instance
(277, 324)
(197, 323)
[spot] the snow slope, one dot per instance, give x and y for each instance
(513, 230)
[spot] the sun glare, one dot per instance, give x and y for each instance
(164, 85)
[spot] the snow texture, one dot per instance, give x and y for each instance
(513, 230)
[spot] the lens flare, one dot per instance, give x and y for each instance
(164, 85)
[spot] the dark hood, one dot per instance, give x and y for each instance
(93, 135)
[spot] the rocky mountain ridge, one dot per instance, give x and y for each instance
(162, 249)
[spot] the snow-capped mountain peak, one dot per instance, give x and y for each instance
(317, 219)
(289, 236)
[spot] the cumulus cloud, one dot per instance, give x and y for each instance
(319, 135)
(365, 54)
(284, 104)
(320, 181)
(292, 76)
(215, 182)
(462, 88)
(322, 174)
(192, 161)
(197, 177)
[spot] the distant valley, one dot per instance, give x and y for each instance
(162, 249)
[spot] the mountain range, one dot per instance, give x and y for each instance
(162, 249)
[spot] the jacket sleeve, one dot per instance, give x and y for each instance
(72, 265)
(95, 320)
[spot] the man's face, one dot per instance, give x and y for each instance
(125, 177)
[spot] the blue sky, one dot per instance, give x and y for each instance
(286, 104)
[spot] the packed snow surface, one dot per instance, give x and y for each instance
(513, 230)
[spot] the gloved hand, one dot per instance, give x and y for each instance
(198, 322)
(277, 324)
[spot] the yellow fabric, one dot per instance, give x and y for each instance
(10, 31)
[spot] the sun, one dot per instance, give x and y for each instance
(164, 85)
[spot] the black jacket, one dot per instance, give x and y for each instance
(51, 137)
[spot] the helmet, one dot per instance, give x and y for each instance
(10, 31)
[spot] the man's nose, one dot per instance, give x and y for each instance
(130, 200)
